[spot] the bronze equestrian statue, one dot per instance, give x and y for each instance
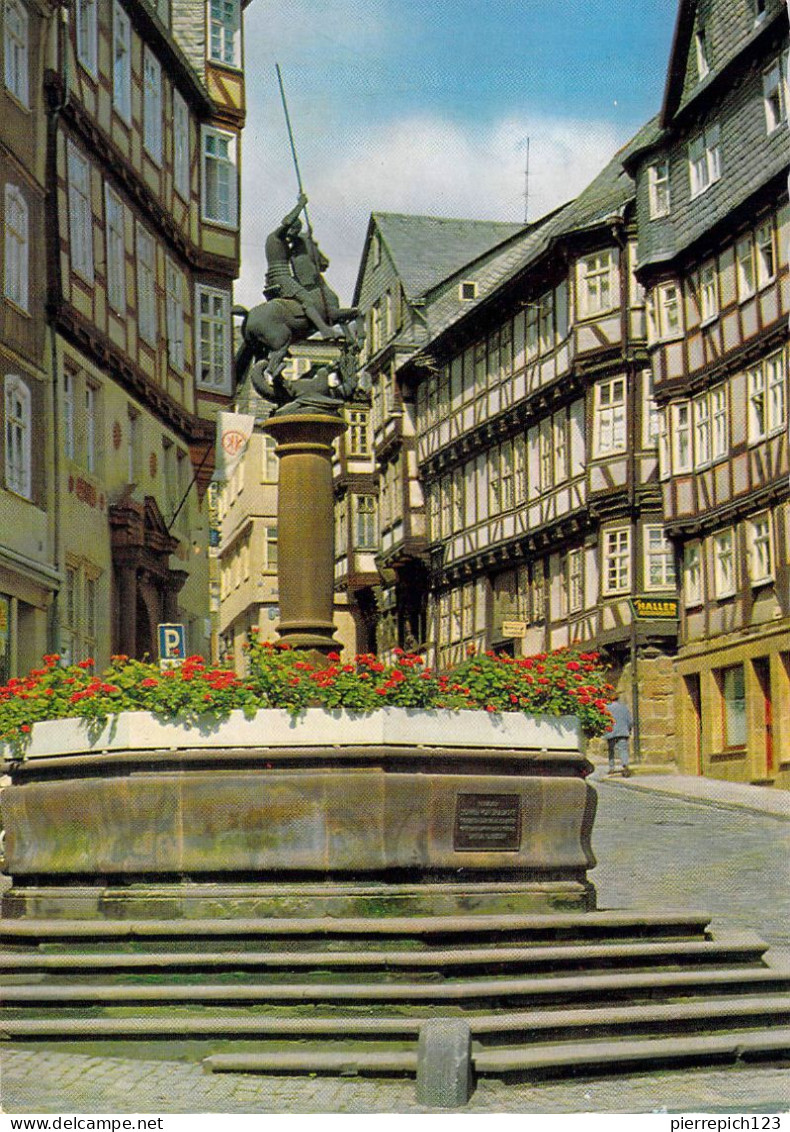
(299, 302)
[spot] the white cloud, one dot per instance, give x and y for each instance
(421, 164)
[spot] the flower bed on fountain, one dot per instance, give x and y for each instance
(330, 783)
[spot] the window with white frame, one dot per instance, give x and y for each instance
(669, 312)
(744, 259)
(91, 426)
(358, 432)
(757, 404)
(658, 189)
(545, 455)
(709, 292)
(659, 565)
(575, 580)
(69, 421)
(116, 250)
(701, 406)
(365, 522)
(761, 568)
(776, 391)
(692, 574)
(610, 420)
(765, 254)
(18, 427)
(121, 63)
(146, 285)
(651, 415)
(174, 302)
(220, 183)
(494, 483)
(664, 461)
(80, 214)
(560, 446)
(596, 283)
(88, 35)
(682, 452)
(458, 513)
(213, 339)
(271, 557)
(270, 468)
(16, 48)
(701, 52)
(720, 422)
(546, 323)
(775, 94)
(704, 157)
(617, 561)
(724, 563)
(180, 145)
(225, 32)
(17, 248)
(78, 613)
(152, 106)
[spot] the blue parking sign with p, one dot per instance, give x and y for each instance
(172, 644)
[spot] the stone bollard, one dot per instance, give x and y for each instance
(444, 1063)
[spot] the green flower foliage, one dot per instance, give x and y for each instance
(566, 682)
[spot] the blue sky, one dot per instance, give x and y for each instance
(407, 106)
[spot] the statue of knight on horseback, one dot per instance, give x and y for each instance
(299, 303)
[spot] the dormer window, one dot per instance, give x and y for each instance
(760, 7)
(467, 291)
(703, 64)
(658, 184)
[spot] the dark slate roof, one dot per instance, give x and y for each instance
(426, 250)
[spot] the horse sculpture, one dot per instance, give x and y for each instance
(299, 302)
(270, 328)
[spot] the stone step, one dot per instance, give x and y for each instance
(547, 926)
(738, 980)
(652, 1051)
(743, 1010)
(554, 1056)
(343, 1063)
(744, 947)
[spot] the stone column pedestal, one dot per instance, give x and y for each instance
(305, 528)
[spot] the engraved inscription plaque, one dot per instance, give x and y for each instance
(486, 822)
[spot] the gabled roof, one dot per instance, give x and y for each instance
(604, 200)
(426, 250)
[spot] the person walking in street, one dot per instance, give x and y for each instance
(618, 737)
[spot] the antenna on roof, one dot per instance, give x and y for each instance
(526, 182)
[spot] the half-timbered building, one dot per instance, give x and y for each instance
(537, 448)
(145, 107)
(417, 275)
(714, 225)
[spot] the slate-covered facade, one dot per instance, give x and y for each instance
(714, 229)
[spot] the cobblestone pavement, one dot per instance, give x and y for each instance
(54, 1082)
(656, 851)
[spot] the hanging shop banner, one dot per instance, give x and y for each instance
(233, 434)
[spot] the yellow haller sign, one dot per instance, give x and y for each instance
(514, 628)
(655, 608)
